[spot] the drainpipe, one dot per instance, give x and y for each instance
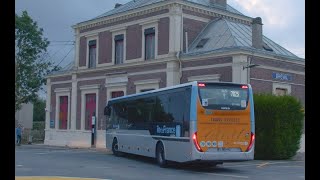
(180, 65)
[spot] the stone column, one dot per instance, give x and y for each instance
(48, 104)
(74, 101)
(239, 75)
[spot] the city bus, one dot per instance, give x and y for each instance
(192, 122)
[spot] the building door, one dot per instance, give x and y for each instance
(90, 110)
(63, 116)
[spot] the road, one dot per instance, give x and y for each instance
(32, 160)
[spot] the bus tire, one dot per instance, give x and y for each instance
(115, 147)
(160, 155)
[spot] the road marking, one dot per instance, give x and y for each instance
(229, 175)
(263, 164)
(19, 165)
(41, 153)
(290, 166)
(54, 178)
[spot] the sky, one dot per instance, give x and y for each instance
(283, 21)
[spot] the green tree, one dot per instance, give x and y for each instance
(39, 113)
(31, 65)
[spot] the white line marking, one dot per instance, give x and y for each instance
(41, 153)
(228, 175)
(19, 165)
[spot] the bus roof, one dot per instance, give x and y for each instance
(193, 83)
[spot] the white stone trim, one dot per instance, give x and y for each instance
(90, 38)
(74, 101)
(207, 66)
(88, 87)
(205, 78)
(175, 28)
(148, 72)
(61, 82)
(296, 84)
(146, 26)
(91, 78)
(58, 95)
(192, 17)
(116, 80)
(60, 90)
(77, 46)
(239, 75)
(84, 91)
(48, 104)
(282, 86)
(147, 84)
(115, 33)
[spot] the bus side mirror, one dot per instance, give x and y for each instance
(107, 111)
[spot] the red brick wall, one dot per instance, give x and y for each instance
(134, 42)
(105, 47)
(163, 36)
(82, 51)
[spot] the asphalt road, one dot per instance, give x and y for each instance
(32, 160)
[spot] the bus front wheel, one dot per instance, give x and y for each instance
(161, 160)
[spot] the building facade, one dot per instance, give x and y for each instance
(145, 45)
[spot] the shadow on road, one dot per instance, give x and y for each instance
(201, 168)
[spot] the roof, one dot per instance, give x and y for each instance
(222, 34)
(134, 4)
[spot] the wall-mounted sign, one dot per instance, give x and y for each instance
(282, 76)
(51, 123)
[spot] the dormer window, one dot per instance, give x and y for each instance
(266, 47)
(202, 43)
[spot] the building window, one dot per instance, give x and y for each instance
(281, 91)
(119, 49)
(92, 54)
(149, 43)
(115, 94)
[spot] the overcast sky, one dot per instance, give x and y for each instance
(283, 21)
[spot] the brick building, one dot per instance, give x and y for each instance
(152, 44)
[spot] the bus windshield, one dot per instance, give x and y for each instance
(223, 97)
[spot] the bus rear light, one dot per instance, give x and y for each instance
(202, 85)
(251, 142)
(244, 87)
(195, 141)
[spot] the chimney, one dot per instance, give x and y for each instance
(257, 41)
(221, 3)
(117, 5)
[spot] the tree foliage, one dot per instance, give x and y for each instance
(39, 113)
(31, 65)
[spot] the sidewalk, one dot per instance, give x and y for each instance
(35, 146)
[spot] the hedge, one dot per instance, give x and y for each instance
(279, 126)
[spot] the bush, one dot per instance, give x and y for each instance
(279, 125)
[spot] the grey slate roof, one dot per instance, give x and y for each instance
(225, 34)
(140, 3)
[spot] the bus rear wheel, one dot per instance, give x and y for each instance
(161, 160)
(115, 147)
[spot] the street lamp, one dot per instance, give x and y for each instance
(249, 66)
